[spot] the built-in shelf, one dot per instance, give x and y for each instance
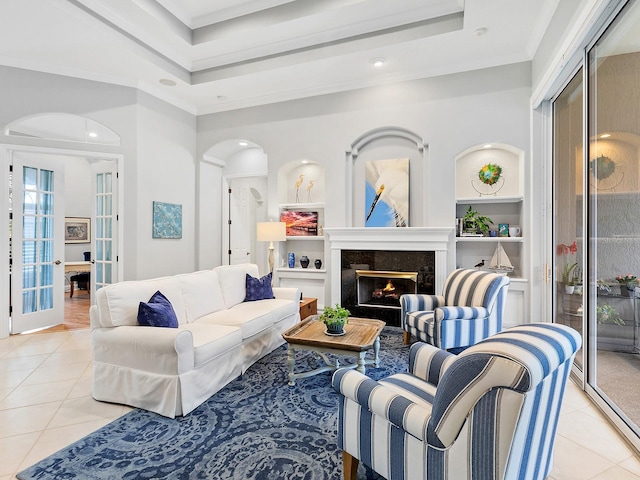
(504, 203)
(489, 199)
(490, 239)
(305, 238)
(302, 270)
(301, 206)
(303, 180)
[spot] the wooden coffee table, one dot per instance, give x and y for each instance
(361, 335)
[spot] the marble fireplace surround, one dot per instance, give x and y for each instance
(436, 239)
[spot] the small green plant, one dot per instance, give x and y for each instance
(474, 222)
(605, 313)
(335, 316)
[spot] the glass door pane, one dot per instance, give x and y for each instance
(105, 259)
(37, 276)
(568, 205)
(613, 165)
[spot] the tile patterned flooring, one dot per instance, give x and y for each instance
(46, 404)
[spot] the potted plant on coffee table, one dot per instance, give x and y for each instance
(335, 319)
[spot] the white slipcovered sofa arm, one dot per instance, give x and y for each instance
(156, 349)
(287, 293)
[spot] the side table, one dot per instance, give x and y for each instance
(308, 306)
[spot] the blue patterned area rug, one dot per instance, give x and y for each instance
(257, 427)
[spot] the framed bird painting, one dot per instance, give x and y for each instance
(387, 193)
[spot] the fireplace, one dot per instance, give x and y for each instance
(364, 274)
(418, 251)
(380, 289)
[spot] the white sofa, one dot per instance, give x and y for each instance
(171, 371)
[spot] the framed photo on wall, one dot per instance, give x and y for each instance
(77, 230)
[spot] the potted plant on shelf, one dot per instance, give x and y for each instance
(473, 223)
(605, 313)
(628, 283)
(335, 319)
(567, 268)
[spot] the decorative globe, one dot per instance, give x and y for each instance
(602, 167)
(490, 173)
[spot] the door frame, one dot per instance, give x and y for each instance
(6, 155)
(226, 181)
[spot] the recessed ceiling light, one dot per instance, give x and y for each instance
(243, 143)
(93, 134)
(378, 62)
(305, 161)
(605, 135)
(481, 31)
(488, 145)
(168, 82)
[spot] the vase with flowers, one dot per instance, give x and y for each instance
(567, 267)
(628, 283)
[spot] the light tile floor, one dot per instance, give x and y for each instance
(46, 404)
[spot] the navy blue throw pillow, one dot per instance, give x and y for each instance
(258, 288)
(158, 312)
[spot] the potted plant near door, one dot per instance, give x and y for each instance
(335, 319)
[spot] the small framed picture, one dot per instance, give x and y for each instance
(503, 229)
(77, 230)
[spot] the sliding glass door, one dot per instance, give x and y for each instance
(596, 160)
(614, 213)
(568, 205)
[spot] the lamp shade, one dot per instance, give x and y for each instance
(271, 231)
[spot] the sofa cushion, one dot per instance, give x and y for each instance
(201, 293)
(249, 317)
(157, 312)
(211, 341)
(233, 281)
(258, 288)
(232, 284)
(253, 317)
(118, 303)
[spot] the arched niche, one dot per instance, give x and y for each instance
(65, 127)
(301, 181)
(473, 159)
(386, 143)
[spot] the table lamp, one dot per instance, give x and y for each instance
(271, 232)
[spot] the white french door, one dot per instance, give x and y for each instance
(104, 268)
(240, 222)
(37, 274)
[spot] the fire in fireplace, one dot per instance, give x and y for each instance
(382, 289)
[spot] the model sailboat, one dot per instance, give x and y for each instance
(500, 261)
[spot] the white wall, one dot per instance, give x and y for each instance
(209, 216)
(450, 113)
(165, 172)
(157, 143)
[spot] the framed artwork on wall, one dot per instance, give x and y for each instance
(167, 220)
(77, 230)
(300, 224)
(387, 193)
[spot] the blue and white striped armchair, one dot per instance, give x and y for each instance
(490, 412)
(469, 310)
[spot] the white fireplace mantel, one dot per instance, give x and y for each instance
(419, 239)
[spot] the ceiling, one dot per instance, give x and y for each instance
(228, 54)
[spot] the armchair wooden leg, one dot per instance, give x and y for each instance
(349, 466)
(406, 336)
